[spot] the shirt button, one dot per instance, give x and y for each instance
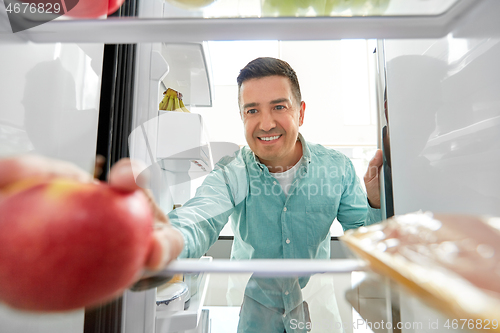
(284, 315)
(288, 242)
(286, 293)
(284, 209)
(274, 183)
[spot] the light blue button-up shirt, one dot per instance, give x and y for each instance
(267, 223)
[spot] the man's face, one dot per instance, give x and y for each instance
(272, 117)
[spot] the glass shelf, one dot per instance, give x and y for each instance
(303, 8)
(236, 20)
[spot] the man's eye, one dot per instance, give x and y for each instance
(279, 107)
(251, 111)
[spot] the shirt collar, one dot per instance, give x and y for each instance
(306, 153)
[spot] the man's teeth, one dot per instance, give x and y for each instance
(269, 138)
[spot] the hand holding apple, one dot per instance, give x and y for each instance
(168, 242)
(67, 241)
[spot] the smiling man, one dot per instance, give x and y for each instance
(280, 193)
(272, 114)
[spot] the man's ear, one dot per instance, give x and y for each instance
(302, 112)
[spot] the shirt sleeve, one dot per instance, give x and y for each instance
(354, 210)
(202, 218)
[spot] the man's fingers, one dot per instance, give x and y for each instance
(374, 166)
(371, 179)
(99, 165)
(124, 175)
(33, 166)
(377, 159)
(167, 244)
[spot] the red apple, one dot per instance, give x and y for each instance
(66, 245)
(91, 8)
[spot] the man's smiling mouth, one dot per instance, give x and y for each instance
(269, 138)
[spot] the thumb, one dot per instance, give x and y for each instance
(166, 245)
(124, 175)
(374, 166)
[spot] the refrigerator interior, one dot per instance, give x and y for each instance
(440, 74)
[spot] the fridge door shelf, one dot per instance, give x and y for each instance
(189, 72)
(182, 143)
(167, 321)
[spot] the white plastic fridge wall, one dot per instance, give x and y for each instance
(49, 101)
(49, 97)
(444, 124)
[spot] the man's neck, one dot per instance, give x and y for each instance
(282, 166)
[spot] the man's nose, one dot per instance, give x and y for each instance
(267, 121)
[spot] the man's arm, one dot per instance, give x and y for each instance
(203, 217)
